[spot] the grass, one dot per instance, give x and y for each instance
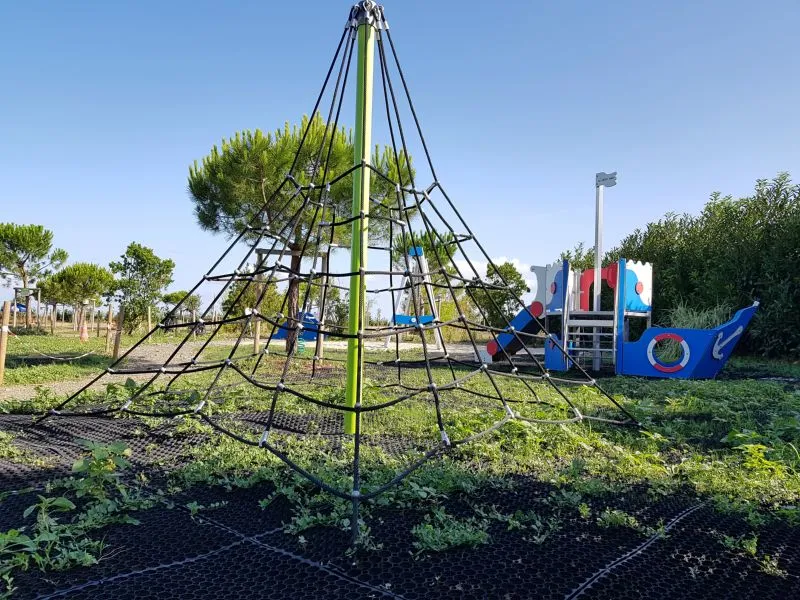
(747, 366)
(44, 358)
(60, 534)
(25, 363)
(734, 441)
(441, 531)
(690, 317)
(685, 316)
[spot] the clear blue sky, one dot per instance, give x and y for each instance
(103, 105)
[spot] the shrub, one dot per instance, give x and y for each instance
(733, 252)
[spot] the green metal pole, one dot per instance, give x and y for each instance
(362, 146)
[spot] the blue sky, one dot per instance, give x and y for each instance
(103, 106)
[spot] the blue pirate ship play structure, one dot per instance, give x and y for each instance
(600, 338)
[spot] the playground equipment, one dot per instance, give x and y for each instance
(439, 384)
(412, 306)
(307, 324)
(597, 338)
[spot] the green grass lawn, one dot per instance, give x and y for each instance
(28, 358)
(733, 441)
(38, 359)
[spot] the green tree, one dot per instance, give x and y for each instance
(580, 258)
(171, 299)
(500, 305)
(141, 279)
(192, 304)
(27, 255)
(438, 250)
(337, 307)
(270, 303)
(52, 291)
(82, 281)
(237, 180)
(52, 294)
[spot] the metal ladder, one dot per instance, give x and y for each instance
(591, 332)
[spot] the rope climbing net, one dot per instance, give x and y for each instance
(415, 397)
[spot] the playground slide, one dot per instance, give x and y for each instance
(524, 322)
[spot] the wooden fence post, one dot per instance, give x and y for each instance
(109, 328)
(118, 338)
(4, 338)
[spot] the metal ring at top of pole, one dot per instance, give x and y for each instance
(369, 12)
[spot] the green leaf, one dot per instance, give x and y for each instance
(62, 504)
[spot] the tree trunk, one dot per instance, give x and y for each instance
(292, 308)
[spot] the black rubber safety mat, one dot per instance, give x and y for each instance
(691, 562)
(234, 547)
(239, 547)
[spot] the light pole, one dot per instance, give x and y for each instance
(601, 181)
